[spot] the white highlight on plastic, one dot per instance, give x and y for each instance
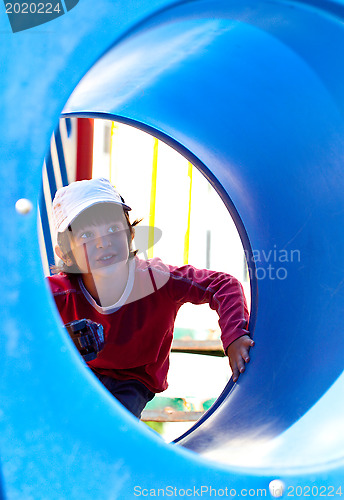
(276, 488)
(23, 206)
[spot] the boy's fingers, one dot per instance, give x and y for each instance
(245, 355)
(235, 373)
(241, 365)
(245, 351)
(238, 367)
(242, 357)
(248, 340)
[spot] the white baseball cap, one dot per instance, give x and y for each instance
(71, 200)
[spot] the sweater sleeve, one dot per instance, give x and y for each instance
(221, 291)
(62, 288)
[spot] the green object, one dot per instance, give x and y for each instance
(208, 403)
(190, 334)
(161, 402)
(156, 426)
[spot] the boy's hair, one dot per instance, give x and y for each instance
(96, 214)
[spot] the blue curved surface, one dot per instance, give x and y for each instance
(253, 95)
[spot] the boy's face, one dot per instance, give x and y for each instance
(100, 247)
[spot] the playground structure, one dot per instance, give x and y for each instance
(251, 94)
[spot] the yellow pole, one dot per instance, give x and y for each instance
(153, 200)
(112, 177)
(187, 234)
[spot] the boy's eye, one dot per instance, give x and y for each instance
(115, 228)
(86, 234)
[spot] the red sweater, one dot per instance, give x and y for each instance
(139, 333)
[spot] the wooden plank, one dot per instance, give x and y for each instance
(170, 415)
(209, 347)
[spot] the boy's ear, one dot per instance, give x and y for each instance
(58, 252)
(61, 256)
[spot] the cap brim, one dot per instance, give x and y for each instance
(82, 207)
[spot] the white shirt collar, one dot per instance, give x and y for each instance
(122, 299)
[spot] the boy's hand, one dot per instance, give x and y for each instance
(237, 354)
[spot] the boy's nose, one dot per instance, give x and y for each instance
(103, 242)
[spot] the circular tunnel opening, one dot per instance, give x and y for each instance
(193, 226)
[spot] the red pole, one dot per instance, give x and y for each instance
(84, 152)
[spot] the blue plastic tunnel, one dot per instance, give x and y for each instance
(252, 93)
